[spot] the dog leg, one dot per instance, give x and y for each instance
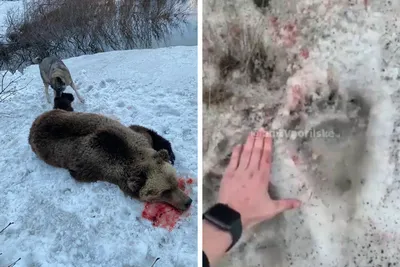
(46, 91)
(76, 92)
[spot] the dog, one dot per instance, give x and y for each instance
(155, 140)
(55, 73)
(64, 102)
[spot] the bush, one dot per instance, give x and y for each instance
(74, 27)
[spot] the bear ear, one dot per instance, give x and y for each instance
(162, 155)
(110, 142)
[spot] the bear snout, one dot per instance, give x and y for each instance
(188, 203)
(179, 200)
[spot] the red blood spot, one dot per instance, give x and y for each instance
(182, 184)
(274, 21)
(295, 159)
(164, 215)
(297, 96)
(289, 34)
(305, 53)
(289, 27)
(235, 31)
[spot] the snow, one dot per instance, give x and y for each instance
(357, 228)
(59, 222)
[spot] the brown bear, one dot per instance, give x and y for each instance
(94, 148)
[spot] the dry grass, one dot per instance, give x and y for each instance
(244, 82)
(239, 54)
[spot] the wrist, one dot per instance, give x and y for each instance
(217, 233)
(215, 242)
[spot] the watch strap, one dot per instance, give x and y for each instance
(236, 233)
(235, 229)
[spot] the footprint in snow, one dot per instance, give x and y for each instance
(89, 88)
(121, 104)
(163, 110)
(102, 84)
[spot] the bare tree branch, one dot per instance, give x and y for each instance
(2, 230)
(154, 262)
(11, 88)
(69, 28)
(15, 262)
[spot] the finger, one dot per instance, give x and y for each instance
(285, 204)
(257, 150)
(265, 162)
(234, 161)
(246, 153)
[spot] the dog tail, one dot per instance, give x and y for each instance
(37, 60)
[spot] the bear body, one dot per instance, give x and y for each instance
(93, 148)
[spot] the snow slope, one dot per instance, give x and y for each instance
(59, 222)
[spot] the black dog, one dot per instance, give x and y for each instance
(156, 141)
(64, 102)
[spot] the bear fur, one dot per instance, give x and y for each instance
(94, 148)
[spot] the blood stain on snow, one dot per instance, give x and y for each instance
(286, 35)
(164, 215)
(295, 159)
(289, 35)
(296, 97)
(274, 21)
(305, 53)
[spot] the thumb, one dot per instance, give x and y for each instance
(286, 204)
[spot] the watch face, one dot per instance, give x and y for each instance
(223, 214)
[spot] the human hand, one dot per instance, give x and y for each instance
(244, 186)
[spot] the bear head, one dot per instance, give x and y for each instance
(161, 183)
(141, 172)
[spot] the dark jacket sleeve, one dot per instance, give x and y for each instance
(206, 263)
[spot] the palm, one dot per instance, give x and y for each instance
(245, 184)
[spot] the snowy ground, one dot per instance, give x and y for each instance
(356, 225)
(58, 222)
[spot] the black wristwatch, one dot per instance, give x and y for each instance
(226, 219)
